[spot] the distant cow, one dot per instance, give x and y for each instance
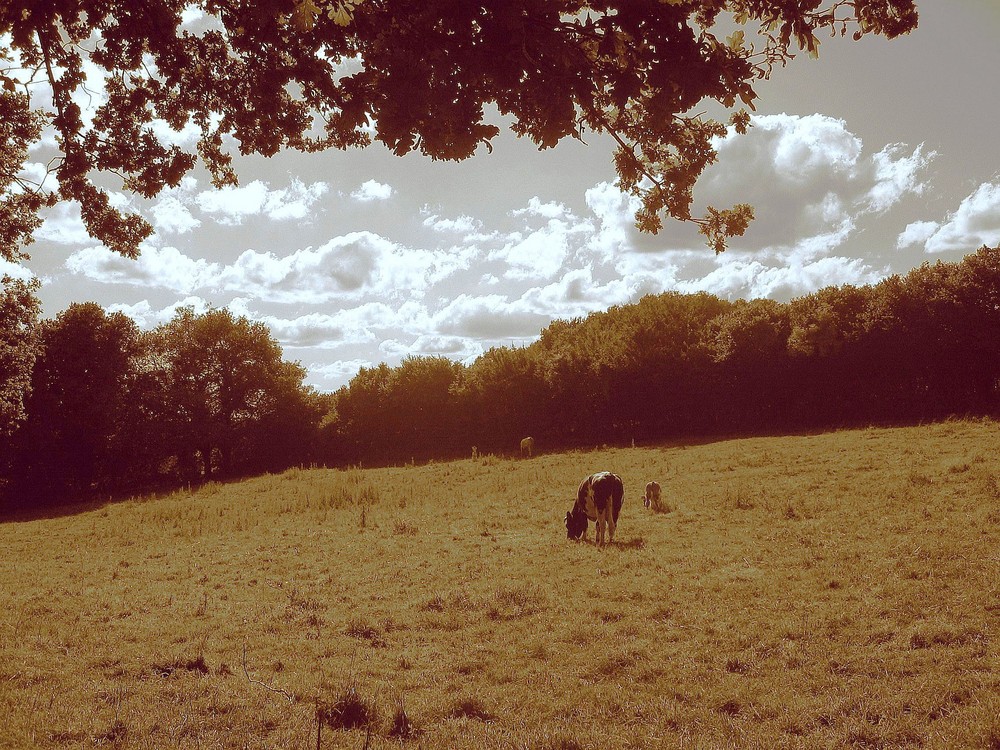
(527, 446)
(599, 499)
(652, 497)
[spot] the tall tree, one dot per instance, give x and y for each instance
(827, 356)
(363, 415)
(665, 372)
(575, 364)
(503, 398)
(750, 345)
(80, 403)
(423, 404)
(272, 76)
(18, 348)
(977, 283)
(226, 381)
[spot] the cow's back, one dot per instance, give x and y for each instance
(597, 491)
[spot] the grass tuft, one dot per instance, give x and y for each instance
(557, 741)
(402, 727)
(114, 735)
(471, 708)
(729, 708)
(736, 666)
(636, 543)
(435, 604)
(739, 499)
(455, 601)
(349, 710)
(515, 602)
(184, 665)
(944, 636)
(361, 630)
(402, 528)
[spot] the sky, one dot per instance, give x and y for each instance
(877, 157)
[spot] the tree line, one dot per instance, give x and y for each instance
(921, 346)
(109, 409)
(90, 404)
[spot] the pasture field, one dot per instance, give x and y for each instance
(822, 591)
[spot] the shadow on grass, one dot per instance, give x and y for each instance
(22, 506)
(635, 543)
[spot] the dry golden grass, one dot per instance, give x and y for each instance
(837, 590)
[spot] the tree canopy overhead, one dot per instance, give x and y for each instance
(413, 74)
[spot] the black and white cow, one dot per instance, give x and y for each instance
(599, 499)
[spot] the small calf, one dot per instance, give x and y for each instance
(652, 497)
(527, 447)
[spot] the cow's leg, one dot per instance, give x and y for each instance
(611, 526)
(601, 523)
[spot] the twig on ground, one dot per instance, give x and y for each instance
(279, 691)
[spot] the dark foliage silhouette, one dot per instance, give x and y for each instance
(261, 79)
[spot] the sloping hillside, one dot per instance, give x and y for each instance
(809, 591)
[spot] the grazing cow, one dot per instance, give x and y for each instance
(599, 499)
(527, 446)
(652, 497)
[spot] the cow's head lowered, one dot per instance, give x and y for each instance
(598, 499)
(576, 523)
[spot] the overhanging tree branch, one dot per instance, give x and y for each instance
(261, 82)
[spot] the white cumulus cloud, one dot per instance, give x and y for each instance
(63, 226)
(334, 374)
(430, 345)
(14, 270)
(372, 190)
(170, 215)
(537, 255)
(233, 205)
(491, 317)
(547, 210)
(346, 267)
(748, 278)
(165, 267)
(897, 175)
(464, 225)
(917, 233)
(148, 317)
(807, 176)
(976, 222)
(363, 324)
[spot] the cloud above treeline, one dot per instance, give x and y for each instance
(976, 222)
(434, 283)
(810, 181)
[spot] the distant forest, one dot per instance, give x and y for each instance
(112, 410)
